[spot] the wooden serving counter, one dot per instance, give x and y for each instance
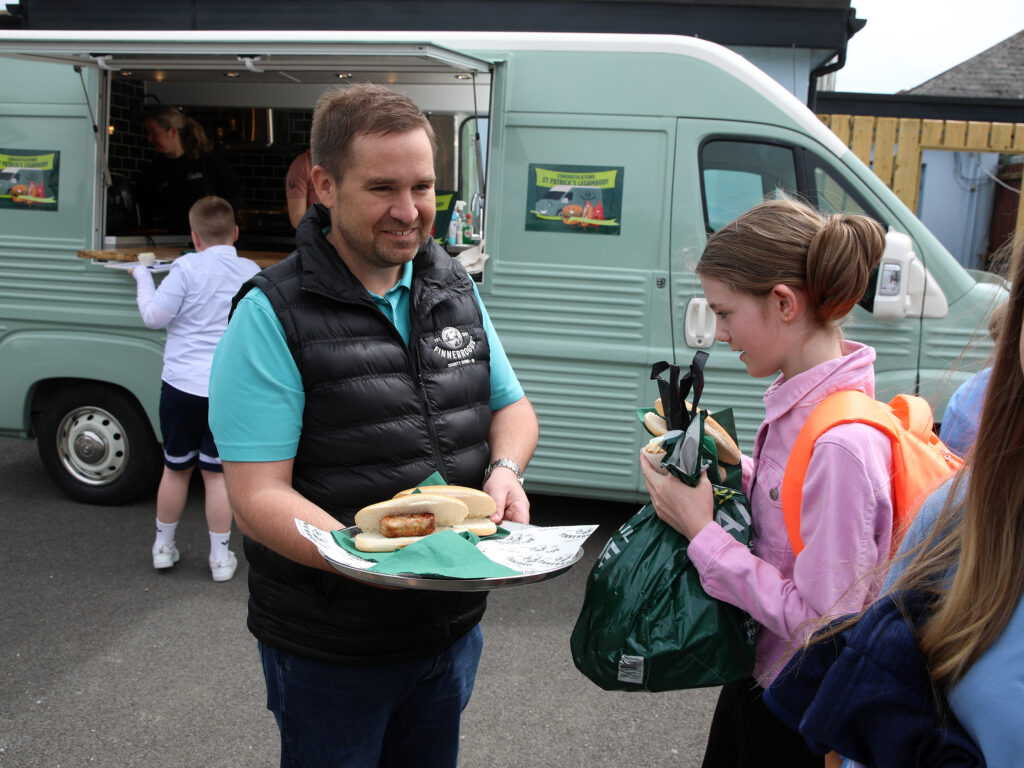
(170, 253)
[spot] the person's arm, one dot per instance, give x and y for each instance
(266, 507)
(154, 314)
(296, 209)
(253, 370)
(296, 188)
(513, 435)
(845, 535)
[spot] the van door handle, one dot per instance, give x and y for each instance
(699, 323)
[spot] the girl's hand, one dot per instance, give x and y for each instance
(684, 508)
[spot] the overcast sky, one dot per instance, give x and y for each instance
(906, 42)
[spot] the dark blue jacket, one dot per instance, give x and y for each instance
(866, 693)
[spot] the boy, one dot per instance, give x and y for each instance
(193, 302)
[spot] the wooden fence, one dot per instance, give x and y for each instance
(892, 147)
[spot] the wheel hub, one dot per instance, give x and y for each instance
(92, 446)
(89, 447)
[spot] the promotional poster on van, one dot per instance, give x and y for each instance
(574, 199)
(29, 179)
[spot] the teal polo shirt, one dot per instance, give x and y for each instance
(254, 373)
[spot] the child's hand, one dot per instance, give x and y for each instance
(684, 508)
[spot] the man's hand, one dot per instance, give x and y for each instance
(509, 497)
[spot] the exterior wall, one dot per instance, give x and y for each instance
(956, 201)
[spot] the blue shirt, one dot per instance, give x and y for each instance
(960, 421)
(989, 698)
(259, 376)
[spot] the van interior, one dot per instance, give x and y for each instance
(258, 109)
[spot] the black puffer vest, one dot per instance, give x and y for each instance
(380, 416)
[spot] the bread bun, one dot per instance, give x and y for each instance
(479, 503)
(477, 525)
(728, 451)
(375, 542)
(447, 511)
(659, 407)
(655, 424)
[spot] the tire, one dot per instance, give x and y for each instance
(97, 445)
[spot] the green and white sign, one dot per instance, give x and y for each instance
(29, 179)
(574, 198)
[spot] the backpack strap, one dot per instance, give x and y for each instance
(846, 407)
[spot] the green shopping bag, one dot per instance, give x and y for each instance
(646, 623)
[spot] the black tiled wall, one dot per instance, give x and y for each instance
(260, 169)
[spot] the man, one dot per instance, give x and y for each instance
(299, 190)
(352, 370)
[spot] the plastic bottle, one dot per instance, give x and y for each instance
(454, 229)
(467, 230)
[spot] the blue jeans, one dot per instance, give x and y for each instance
(386, 716)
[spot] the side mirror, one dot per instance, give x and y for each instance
(892, 301)
(905, 288)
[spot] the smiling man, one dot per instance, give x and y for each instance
(352, 370)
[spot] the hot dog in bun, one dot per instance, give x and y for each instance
(728, 451)
(481, 506)
(398, 522)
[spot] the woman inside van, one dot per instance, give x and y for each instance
(184, 170)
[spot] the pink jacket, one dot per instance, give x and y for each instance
(846, 520)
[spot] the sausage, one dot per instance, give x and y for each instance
(416, 524)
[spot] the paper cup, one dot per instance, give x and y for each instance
(654, 457)
(147, 259)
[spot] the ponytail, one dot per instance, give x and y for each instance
(840, 258)
(194, 140)
(786, 242)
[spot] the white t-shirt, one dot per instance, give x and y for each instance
(193, 302)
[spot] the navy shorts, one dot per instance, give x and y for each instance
(184, 422)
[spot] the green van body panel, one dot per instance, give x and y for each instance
(582, 315)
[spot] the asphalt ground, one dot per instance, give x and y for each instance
(106, 662)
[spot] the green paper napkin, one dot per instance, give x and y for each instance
(445, 554)
(434, 479)
(434, 568)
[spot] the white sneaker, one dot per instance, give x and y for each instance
(223, 570)
(165, 557)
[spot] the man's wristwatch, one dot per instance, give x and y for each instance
(507, 464)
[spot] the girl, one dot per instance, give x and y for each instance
(779, 279)
(958, 582)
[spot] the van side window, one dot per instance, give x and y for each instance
(833, 195)
(737, 175)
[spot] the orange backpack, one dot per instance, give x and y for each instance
(920, 461)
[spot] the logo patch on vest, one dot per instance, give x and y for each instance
(454, 346)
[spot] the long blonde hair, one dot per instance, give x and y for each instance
(979, 535)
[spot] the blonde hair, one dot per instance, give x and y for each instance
(213, 219)
(194, 141)
(979, 535)
(786, 242)
(345, 113)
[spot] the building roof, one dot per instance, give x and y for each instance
(814, 24)
(994, 73)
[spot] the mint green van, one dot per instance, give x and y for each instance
(595, 165)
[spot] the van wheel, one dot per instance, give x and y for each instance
(97, 446)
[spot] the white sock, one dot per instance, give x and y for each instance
(219, 547)
(164, 534)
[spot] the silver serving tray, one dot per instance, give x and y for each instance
(412, 581)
